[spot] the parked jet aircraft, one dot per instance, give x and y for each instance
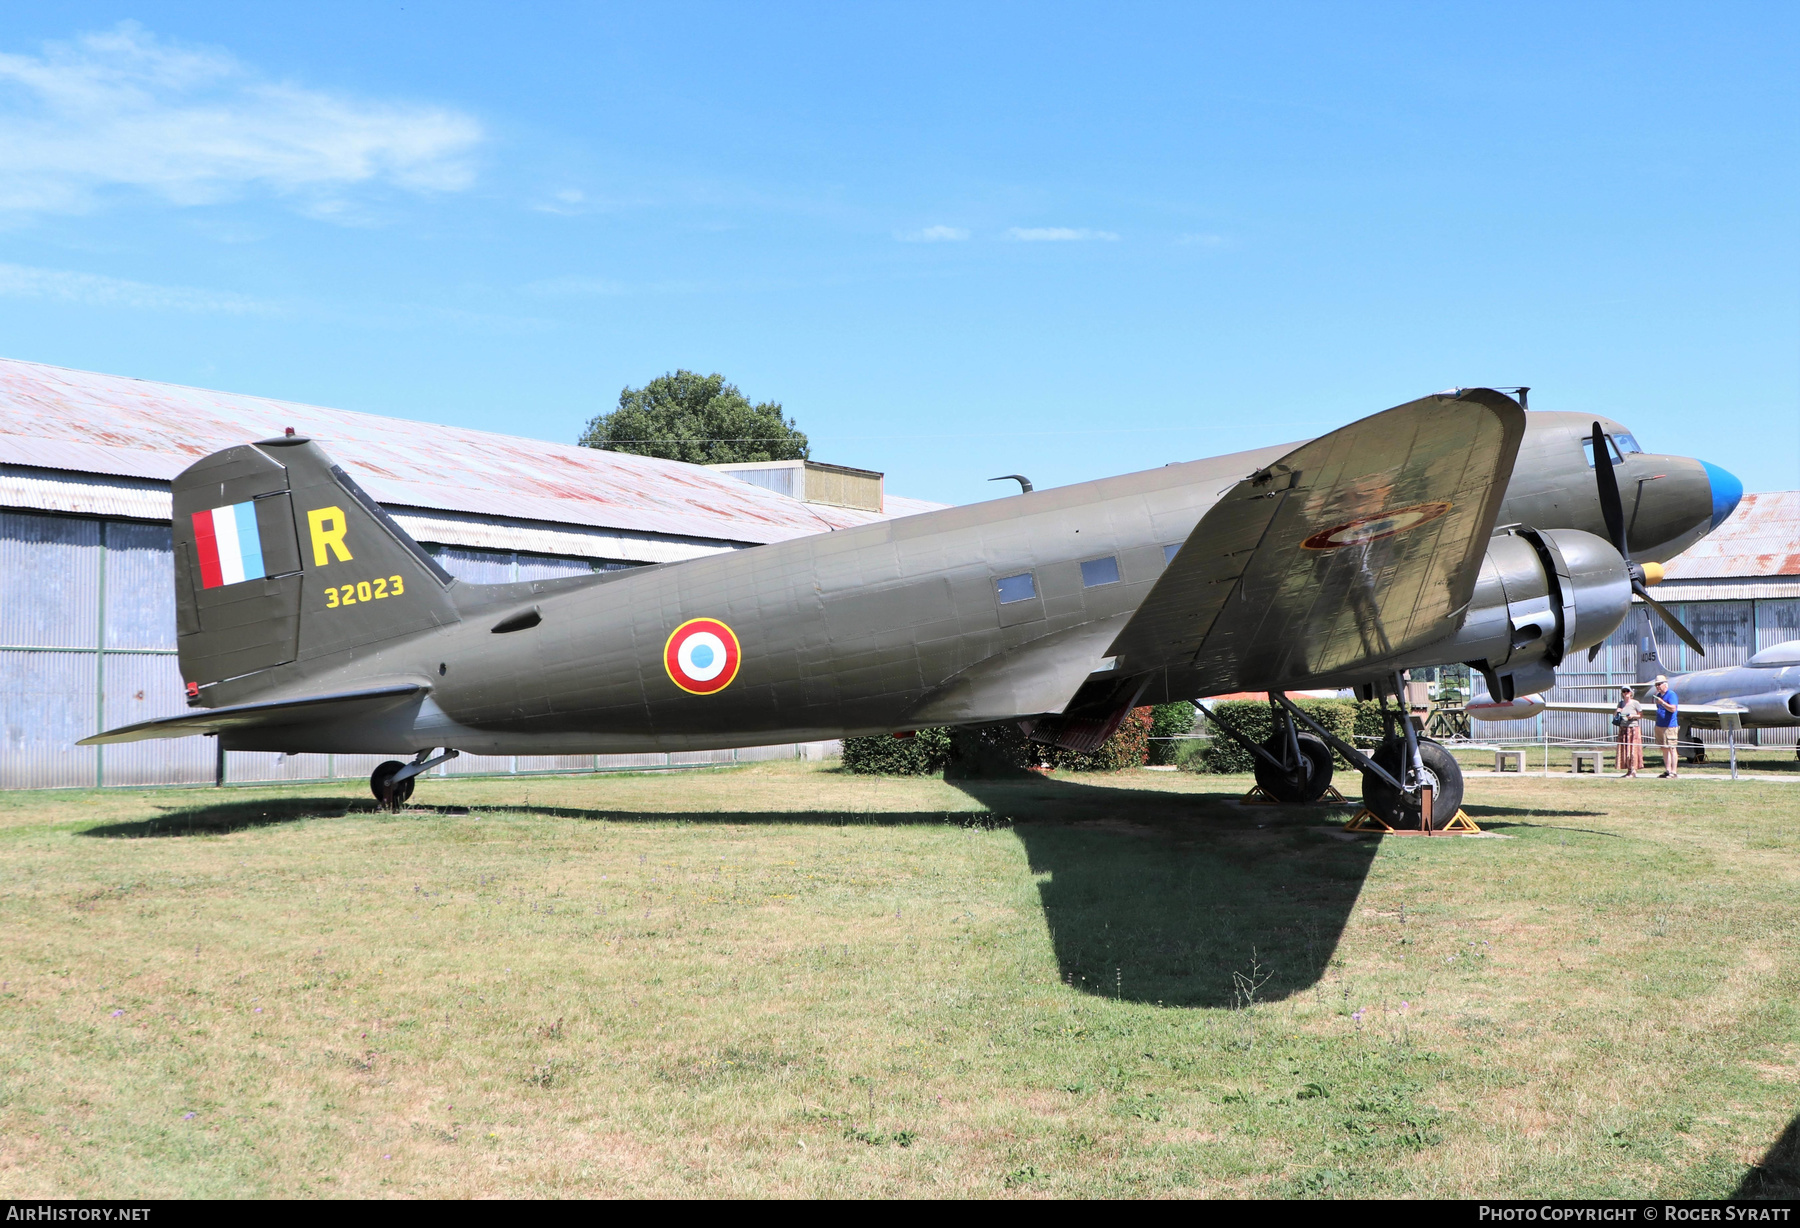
(1763, 693)
(1452, 528)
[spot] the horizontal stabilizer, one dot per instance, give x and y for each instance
(310, 708)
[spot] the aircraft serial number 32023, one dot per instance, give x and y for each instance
(1452, 528)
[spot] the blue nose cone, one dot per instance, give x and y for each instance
(1726, 492)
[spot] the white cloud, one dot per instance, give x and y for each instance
(565, 202)
(123, 109)
(934, 234)
(88, 289)
(1058, 234)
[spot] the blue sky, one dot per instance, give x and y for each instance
(953, 240)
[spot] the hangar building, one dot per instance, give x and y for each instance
(87, 606)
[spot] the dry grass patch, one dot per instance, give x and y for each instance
(780, 980)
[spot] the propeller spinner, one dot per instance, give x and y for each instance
(1612, 510)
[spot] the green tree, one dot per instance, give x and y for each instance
(696, 418)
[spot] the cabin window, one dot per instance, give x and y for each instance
(1169, 553)
(1096, 572)
(1016, 588)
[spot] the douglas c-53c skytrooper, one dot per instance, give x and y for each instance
(1452, 528)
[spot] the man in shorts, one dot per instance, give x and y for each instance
(1668, 724)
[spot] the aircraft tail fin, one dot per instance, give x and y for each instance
(1649, 662)
(281, 559)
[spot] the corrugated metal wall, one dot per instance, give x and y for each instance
(1733, 631)
(87, 642)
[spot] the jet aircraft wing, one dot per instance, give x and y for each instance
(1349, 551)
(341, 705)
(1605, 709)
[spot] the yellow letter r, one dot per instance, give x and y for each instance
(327, 525)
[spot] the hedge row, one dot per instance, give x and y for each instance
(1003, 744)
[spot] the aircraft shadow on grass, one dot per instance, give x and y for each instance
(222, 818)
(1177, 898)
(1778, 1176)
(1157, 896)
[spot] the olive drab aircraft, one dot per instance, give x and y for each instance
(1456, 527)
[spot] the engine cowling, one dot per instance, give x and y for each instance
(1542, 595)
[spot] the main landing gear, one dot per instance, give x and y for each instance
(1294, 764)
(1402, 809)
(392, 782)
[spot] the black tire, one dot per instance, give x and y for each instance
(1306, 785)
(1400, 810)
(378, 784)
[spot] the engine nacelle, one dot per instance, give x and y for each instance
(1541, 596)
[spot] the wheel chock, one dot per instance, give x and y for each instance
(1331, 797)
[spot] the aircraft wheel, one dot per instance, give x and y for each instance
(389, 795)
(1400, 810)
(1306, 785)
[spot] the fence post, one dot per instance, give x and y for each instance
(100, 667)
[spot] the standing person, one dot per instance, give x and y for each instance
(1668, 722)
(1630, 733)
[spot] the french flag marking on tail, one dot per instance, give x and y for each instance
(229, 545)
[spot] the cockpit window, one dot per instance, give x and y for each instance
(1612, 449)
(1625, 443)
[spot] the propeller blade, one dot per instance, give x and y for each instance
(1610, 506)
(1595, 650)
(1674, 624)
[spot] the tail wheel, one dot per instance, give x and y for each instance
(387, 793)
(1401, 810)
(1307, 781)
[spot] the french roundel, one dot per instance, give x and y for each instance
(1366, 529)
(702, 656)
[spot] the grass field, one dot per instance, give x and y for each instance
(781, 980)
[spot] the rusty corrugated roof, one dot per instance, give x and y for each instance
(55, 418)
(1760, 538)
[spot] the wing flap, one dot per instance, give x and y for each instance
(274, 712)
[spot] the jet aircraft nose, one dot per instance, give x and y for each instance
(1727, 491)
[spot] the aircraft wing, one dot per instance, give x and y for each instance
(339, 706)
(1354, 548)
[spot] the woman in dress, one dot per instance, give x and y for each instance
(1627, 716)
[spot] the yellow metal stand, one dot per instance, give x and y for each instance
(1259, 796)
(1367, 820)
(1461, 823)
